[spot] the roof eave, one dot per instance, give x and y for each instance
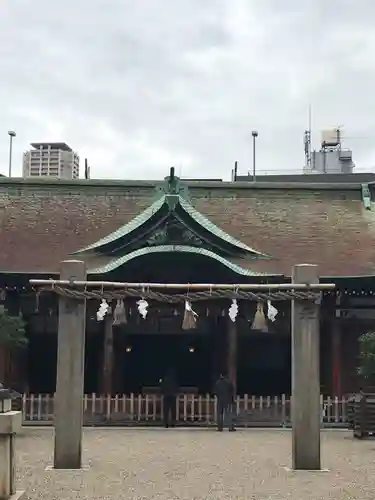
(217, 232)
(190, 211)
(124, 230)
(116, 263)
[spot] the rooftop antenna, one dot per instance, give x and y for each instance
(307, 144)
(255, 134)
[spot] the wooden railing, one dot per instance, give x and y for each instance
(191, 409)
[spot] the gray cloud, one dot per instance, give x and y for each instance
(138, 86)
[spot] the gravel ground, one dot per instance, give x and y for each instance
(169, 464)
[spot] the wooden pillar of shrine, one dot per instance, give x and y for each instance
(232, 352)
(336, 357)
(119, 358)
(107, 375)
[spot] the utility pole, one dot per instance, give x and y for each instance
(87, 169)
(254, 133)
(11, 134)
(234, 171)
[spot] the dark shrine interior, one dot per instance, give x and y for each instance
(263, 362)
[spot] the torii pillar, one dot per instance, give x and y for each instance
(306, 411)
(68, 411)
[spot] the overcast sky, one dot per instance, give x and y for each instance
(140, 85)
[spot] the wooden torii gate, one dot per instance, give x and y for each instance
(73, 290)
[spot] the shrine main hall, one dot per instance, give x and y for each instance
(179, 231)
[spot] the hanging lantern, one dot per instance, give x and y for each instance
(142, 308)
(272, 312)
(119, 314)
(102, 311)
(190, 317)
(260, 322)
(233, 310)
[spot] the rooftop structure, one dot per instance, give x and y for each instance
(55, 159)
(52, 145)
(333, 178)
(332, 158)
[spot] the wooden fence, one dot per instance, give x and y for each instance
(191, 409)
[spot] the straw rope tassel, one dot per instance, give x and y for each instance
(190, 317)
(260, 322)
(119, 314)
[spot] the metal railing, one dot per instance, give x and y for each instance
(191, 409)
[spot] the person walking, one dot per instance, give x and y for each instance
(169, 390)
(224, 391)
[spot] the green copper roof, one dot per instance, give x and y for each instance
(173, 248)
(210, 226)
(138, 221)
(172, 202)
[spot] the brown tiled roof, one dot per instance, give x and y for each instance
(41, 223)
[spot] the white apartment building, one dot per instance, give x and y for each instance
(53, 159)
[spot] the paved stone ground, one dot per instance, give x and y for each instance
(171, 464)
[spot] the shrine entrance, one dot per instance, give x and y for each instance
(74, 291)
(143, 350)
(148, 358)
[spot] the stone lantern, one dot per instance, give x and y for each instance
(10, 424)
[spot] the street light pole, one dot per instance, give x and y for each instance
(254, 133)
(11, 134)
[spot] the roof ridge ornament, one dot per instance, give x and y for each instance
(173, 182)
(173, 185)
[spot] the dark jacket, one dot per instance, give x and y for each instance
(169, 387)
(224, 391)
